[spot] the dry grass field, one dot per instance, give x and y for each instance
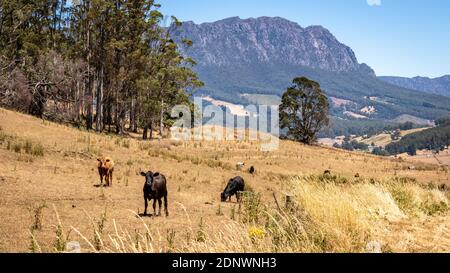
(443, 158)
(49, 195)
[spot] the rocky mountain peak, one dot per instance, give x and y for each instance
(235, 41)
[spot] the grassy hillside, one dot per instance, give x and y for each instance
(48, 196)
(382, 140)
(436, 139)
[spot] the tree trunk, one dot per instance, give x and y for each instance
(120, 122)
(133, 118)
(38, 102)
(107, 115)
(88, 90)
(151, 129)
(77, 105)
(89, 112)
(100, 84)
(145, 133)
(161, 120)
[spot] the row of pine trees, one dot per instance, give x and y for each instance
(99, 64)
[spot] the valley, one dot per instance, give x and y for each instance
(345, 212)
(262, 55)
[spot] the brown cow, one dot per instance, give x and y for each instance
(105, 169)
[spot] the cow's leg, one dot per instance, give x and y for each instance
(154, 207)
(238, 196)
(101, 176)
(146, 205)
(165, 206)
(110, 179)
(159, 206)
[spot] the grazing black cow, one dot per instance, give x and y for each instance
(155, 188)
(234, 186)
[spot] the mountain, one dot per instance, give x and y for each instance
(262, 55)
(440, 86)
(267, 40)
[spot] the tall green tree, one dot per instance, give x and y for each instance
(304, 110)
(31, 31)
(95, 63)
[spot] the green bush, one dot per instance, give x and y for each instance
(431, 208)
(252, 206)
(403, 198)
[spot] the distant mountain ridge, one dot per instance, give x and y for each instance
(262, 55)
(265, 40)
(440, 86)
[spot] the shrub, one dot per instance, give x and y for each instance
(98, 231)
(2, 136)
(37, 217)
(126, 143)
(27, 147)
(403, 198)
(201, 235)
(431, 208)
(252, 206)
(17, 147)
(330, 178)
(37, 150)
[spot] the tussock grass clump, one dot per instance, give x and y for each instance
(99, 227)
(430, 207)
(34, 245)
(61, 237)
(329, 178)
(37, 216)
(3, 135)
(126, 143)
(18, 145)
(37, 150)
(201, 234)
(403, 197)
(416, 199)
(27, 146)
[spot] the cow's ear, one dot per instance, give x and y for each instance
(155, 174)
(107, 160)
(99, 159)
(143, 174)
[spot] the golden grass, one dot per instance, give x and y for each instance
(382, 140)
(333, 214)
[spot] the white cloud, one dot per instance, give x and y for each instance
(374, 2)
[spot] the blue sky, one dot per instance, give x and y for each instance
(395, 37)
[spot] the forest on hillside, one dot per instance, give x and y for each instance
(434, 139)
(97, 64)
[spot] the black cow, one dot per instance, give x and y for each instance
(234, 186)
(155, 188)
